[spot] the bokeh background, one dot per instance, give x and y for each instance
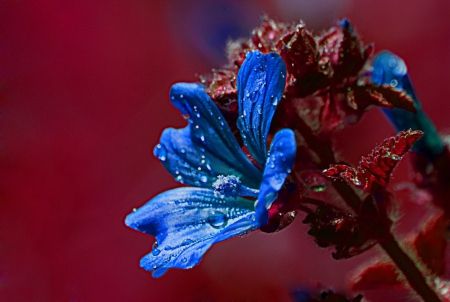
(84, 88)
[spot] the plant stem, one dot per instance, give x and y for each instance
(409, 268)
(387, 241)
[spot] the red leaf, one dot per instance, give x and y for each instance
(380, 275)
(383, 96)
(374, 170)
(431, 243)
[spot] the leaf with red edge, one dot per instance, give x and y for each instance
(374, 170)
(380, 275)
(431, 243)
(386, 96)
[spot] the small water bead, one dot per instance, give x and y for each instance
(155, 245)
(156, 252)
(183, 150)
(274, 100)
(187, 242)
(202, 176)
(217, 219)
(168, 248)
(392, 63)
(160, 152)
(396, 157)
(393, 83)
(356, 181)
(199, 133)
(259, 109)
(184, 260)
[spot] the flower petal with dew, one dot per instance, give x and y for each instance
(231, 195)
(391, 70)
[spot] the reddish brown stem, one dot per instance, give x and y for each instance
(389, 244)
(408, 268)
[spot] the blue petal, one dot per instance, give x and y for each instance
(390, 69)
(279, 164)
(206, 147)
(186, 222)
(260, 84)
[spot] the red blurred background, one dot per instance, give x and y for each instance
(84, 87)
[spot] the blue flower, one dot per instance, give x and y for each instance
(391, 70)
(231, 195)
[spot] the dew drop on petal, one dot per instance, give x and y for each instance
(160, 152)
(155, 245)
(184, 260)
(392, 63)
(156, 252)
(202, 176)
(187, 242)
(199, 133)
(393, 83)
(217, 219)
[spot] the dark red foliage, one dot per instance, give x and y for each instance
(327, 70)
(379, 275)
(431, 243)
(374, 170)
(331, 226)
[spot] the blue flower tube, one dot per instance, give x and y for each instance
(389, 69)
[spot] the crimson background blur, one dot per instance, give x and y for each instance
(84, 87)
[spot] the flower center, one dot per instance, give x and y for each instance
(231, 186)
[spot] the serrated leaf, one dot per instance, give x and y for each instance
(383, 96)
(374, 170)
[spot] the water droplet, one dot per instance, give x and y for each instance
(182, 150)
(179, 178)
(396, 157)
(187, 242)
(258, 109)
(393, 83)
(202, 176)
(217, 219)
(199, 133)
(392, 63)
(134, 209)
(160, 152)
(156, 252)
(356, 181)
(168, 248)
(155, 245)
(274, 100)
(184, 260)
(318, 188)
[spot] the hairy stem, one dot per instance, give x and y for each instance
(387, 241)
(408, 268)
